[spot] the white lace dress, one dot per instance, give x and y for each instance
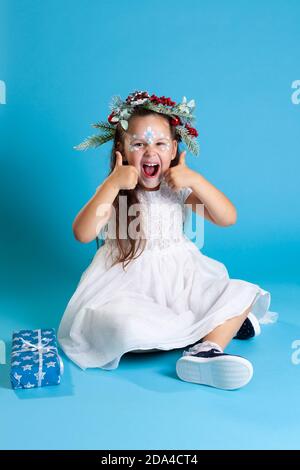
(171, 296)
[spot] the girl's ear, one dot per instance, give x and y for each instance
(175, 145)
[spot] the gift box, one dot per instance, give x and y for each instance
(35, 361)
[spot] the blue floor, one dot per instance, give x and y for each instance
(142, 404)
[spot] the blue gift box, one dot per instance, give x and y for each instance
(34, 359)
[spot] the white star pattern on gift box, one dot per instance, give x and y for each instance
(27, 367)
(50, 364)
(49, 355)
(42, 375)
(16, 363)
(17, 376)
(27, 358)
(28, 385)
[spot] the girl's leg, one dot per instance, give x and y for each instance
(205, 364)
(224, 333)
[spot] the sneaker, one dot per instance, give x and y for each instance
(215, 369)
(249, 328)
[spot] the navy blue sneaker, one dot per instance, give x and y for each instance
(249, 328)
(214, 368)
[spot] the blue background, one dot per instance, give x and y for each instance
(61, 63)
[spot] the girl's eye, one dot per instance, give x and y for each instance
(139, 144)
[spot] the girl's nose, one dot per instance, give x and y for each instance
(150, 150)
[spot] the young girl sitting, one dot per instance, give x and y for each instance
(148, 286)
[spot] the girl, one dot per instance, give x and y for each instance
(149, 287)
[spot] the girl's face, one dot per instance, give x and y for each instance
(149, 147)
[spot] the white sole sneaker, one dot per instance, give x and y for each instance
(226, 372)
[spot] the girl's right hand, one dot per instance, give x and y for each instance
(124, 176)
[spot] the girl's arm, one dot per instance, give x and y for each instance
(94, 215)
(87, 224)
(217, 207)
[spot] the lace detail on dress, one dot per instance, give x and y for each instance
(162, 215)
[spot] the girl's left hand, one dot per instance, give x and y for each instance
(179, 176)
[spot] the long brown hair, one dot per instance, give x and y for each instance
(127, 252)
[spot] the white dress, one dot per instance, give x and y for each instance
(169, 297)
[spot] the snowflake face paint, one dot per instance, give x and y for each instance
(148, 137)
(150, 148)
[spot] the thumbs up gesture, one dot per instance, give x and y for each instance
(124, 176)
(179, 176)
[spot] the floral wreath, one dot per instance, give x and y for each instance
(181, 117)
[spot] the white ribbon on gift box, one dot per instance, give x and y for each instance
(41, 349)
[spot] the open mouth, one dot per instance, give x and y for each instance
(150, 171)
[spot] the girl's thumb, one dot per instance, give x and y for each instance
(119, 159)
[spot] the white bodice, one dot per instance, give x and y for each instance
(161, 213)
